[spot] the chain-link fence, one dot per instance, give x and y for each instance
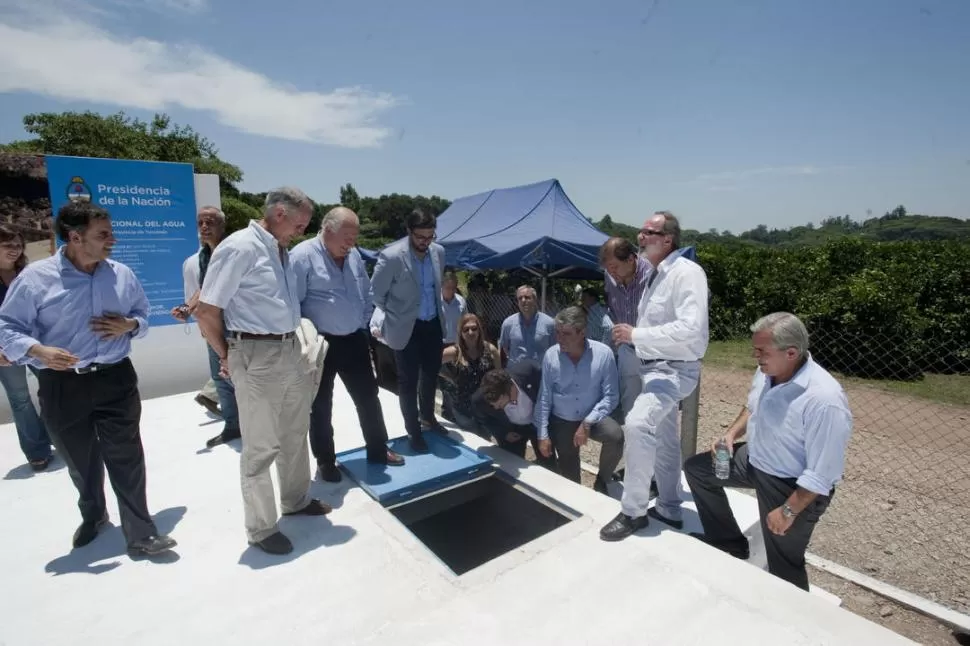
(902, 512)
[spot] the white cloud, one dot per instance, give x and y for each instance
(77, 61)
(728, 181)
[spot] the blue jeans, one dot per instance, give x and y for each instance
(227, 392)
(34, 441)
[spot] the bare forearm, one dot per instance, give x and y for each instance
(800, 499)
(210, 322)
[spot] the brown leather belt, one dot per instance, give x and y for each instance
(249, 336)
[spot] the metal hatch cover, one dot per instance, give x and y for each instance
(448, 463)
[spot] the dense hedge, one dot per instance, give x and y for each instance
(874, 309)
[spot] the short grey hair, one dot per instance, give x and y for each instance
(290, 198)
(671, 227)
(214, 210)
(528, 287)
(787, 331)
(337, 217)
(572, 316)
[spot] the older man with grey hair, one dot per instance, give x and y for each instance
(251, 286)
(798, 425)
(669, 340)
(211, 222)
(334, 291)
(578, 392)
(528, 334)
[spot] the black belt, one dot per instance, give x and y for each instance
(96, 367)
(647, 362)
(249, 336)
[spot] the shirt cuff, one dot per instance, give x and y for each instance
(593, 418)
(141, 328)
(815, 483)
(16, 351)
(542, 433)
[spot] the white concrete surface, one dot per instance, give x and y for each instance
(359, 577)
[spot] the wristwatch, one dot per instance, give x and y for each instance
(787, 511)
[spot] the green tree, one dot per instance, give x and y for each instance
(87, 134)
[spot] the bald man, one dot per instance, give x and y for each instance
(335, 293)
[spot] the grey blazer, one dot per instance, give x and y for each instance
(397, 290)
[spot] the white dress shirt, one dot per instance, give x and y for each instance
(521, 410)
(673, 318)
(253, 283)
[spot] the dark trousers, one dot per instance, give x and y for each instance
(417, 374)
(606, 431)
(93, 420)
(786, 554)
(349, 358)
(385, 365)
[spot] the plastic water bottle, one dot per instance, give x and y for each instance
(722, 460)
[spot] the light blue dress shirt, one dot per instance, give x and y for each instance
(428, 309)
(453, 313)
(585, 391)
(800, 429)
(337, 300)
(520, 340)
(599, 327)
(52, 303)
(252, 281)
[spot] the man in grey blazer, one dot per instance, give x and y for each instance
(407, 288)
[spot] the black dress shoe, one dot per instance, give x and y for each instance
(227, 435)
(151, 545)
(738, 549)
(434, 427)
(656, 515)
(389, 458)
(330, 473)
(41, 465)
(274, 544)
(418, 445)
(622, 526)
(87, 532)
(313, 508)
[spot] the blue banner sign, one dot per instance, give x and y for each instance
(153, 212)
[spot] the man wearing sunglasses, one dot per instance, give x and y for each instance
(670, 338)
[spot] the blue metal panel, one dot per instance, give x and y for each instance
(448, 463)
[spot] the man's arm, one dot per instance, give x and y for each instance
(382, 279)
(543, 403)
(300, 260)
(227, 267)
(17, 316)
(690, 296)
(367, 290)
(609, 388)
(139, 305)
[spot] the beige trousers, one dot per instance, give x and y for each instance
(274, 396)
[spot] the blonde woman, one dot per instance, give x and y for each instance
(463, 366)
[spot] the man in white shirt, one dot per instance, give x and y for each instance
(211, 223)
(670, 339)
(251, 286)
(798, 426)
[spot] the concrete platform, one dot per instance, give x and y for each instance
(360, 577)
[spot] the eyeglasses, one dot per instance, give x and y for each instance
(651, 232)
(430, 238)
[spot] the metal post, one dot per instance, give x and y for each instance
(689, 415)
(542, 306)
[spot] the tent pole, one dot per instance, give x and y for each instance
(544, 270)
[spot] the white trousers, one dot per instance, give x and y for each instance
(652, 438)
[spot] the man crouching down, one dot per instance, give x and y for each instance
(252, 284)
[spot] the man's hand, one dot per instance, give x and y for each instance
(545, 448)
(581, 435)
(112, 326)
(777, 523)
(4, 361)
(224, 368)
(622, 333)
(728, 439)
(512, 437)
(54, 358)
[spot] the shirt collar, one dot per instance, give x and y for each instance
(264, 236)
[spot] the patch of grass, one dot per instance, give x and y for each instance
(948, 389)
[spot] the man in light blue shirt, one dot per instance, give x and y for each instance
(599, 327)
(335, 293)
(528, 334)
(579, 390)
(798, 425)
(453, 305)
(73, 315)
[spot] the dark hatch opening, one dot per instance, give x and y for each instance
(472, 524)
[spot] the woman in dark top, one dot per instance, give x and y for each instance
(34, 441)
(462, 367)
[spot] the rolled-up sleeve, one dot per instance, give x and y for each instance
(17, 316)
(828, 428)
(139, 305)
(543, 405)
(226, 270)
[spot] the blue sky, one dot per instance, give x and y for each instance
(730, 114)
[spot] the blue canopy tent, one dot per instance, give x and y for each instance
(535, 227)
